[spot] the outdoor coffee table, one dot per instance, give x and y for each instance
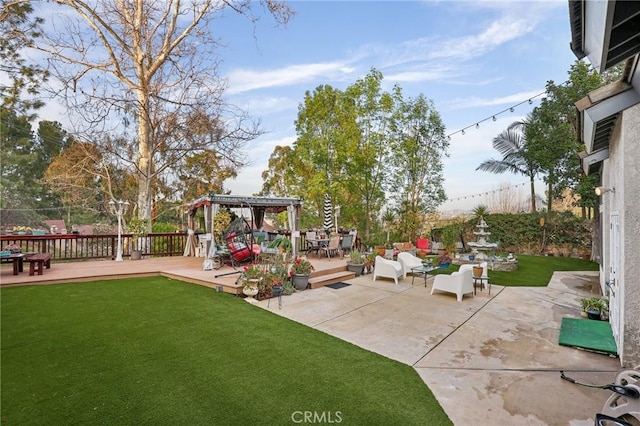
(424, 270)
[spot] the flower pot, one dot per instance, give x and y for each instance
(300, 282)
(136, 254)
(355, 268)
(250, 292)
(477, 271)
(444, 265)
(593, 314)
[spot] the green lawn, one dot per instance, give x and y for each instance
(161, 352)
(534, 271)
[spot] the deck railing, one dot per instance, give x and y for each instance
(91, 247)
(86, 247)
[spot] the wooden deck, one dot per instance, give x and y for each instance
(187, 269)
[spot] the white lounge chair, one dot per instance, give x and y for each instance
(408, 261)
(460, 283)
(387, 268)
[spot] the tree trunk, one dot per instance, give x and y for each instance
(144, 160)
(533, 194)
(549, 196)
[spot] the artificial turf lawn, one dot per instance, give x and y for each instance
(533, 271)
(158, 351)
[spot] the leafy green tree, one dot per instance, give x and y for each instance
(512, 144)
(17, 201)
(551, 134)
(365, 170)
(326, 129)
(417, 148)
(20, 29)
(274, 179)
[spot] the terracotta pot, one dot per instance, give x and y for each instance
(477, 271)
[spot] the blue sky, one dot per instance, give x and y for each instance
(472, 59)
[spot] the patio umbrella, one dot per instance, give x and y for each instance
(328, 218)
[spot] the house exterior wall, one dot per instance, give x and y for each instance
(630, 215)
(622, 172)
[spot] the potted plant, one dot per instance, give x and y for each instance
(283, 244)
(369, 261)
(252, 276)
(593, 307)
(300, 271)
(355, 263)
(138, 228)
(443, 261)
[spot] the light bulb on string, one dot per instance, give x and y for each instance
(477, 125)
(462, 132)
(511, 109)
(494, 118)
(530, 101)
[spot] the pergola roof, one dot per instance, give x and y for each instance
(270, 204)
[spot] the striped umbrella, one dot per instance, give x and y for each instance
(328, 216)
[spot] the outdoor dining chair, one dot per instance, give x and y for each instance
(333, 247)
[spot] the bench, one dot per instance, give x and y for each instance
(38, 261)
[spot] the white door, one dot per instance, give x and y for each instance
(614, 286)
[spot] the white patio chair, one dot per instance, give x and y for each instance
(459, 283)
(408, 261)
(470, 268)
(387, 268)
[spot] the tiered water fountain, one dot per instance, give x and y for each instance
(482, 246)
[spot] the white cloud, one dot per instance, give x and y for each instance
(269, 105)
(475, 101)
(243, 80)
(498, 33)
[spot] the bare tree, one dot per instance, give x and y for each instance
(507, 199)
(150, 64)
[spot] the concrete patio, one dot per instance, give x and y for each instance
(489, 360)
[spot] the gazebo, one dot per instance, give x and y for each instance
(257, 205)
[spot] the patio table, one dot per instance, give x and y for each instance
(424, 270)
(17, 259)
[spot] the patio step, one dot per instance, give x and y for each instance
(317, 281)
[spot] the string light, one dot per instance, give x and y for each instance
(480, 194)
(512, 108)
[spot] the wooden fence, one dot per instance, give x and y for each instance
(86, 247)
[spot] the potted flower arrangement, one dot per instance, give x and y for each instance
(21, 230)
(13, 248)
(369, 261)
(252, 277)
(355, 263)
(443, 261)
(300, 271)
(137, 227)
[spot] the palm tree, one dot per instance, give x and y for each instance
(512, 144)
